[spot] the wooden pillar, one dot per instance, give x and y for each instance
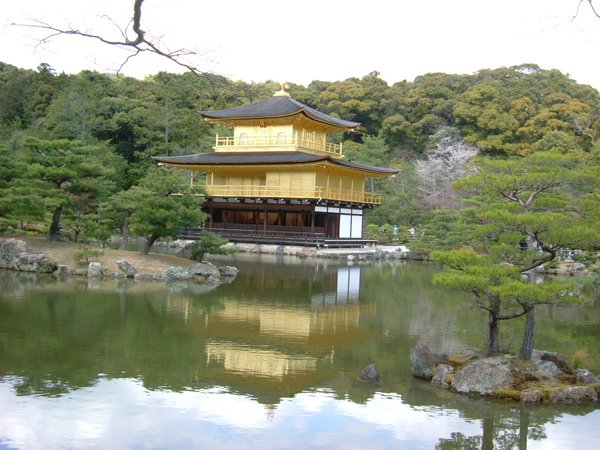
(266, 214)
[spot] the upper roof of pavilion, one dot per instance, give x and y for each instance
(208, 160)
(280, 105)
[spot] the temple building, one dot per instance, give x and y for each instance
(278, 179)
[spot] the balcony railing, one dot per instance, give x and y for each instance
(245, 191)
(274, 143)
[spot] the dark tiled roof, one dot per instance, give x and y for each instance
(366, 167)
(277, 106)
(264, 158)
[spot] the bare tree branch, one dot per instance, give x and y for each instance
(515, 315)
(592, 7)
(138, 43)
(480, 302)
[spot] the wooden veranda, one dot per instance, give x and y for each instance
(277, 237)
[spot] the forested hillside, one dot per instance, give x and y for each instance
(75, 150)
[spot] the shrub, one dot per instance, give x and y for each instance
(210, 243)
(86, 253)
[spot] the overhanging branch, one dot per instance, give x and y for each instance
(136, 44)
(592, 7)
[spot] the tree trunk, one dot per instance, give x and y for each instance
(125, 233)
(493, 336)
(493, 347)
(55, 225)
(149, 243)
(527, 344)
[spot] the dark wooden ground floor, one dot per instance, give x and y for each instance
(284, 222)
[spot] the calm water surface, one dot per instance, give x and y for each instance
(268, 361)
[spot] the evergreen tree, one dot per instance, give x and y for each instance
(524, 212)
(58, 177)
(160, 205)
(210, 243)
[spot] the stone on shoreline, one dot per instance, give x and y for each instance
(548, 377)
(441, 377)
(15, 255)
(148, 277)
(177, 273)
(35, 262)
(126, 268)
(534, 396)
(204, 270)
(228, 271)
(10, 249)
(423, 361)
(62, 271)
(94, 270)
(574, 394)
(114, 274)
(484, 376)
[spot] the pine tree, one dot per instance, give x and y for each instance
(160, 205)
(525, 211)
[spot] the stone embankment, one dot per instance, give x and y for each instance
(15, 255)
(350, 254)
(547, 377)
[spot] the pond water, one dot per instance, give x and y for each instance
(269, 361)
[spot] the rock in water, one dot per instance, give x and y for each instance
(62, 271)
(10, 249)
(35, 262)
(228, 271)
(94, 270)
(203, 269)
(423, 361)
(126, 268)
(483, 376)
(370, 373)
(574, 394)
(440, 374)
(176, 273)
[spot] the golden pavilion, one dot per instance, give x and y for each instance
(278, 179)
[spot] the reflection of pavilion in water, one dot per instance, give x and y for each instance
(267, 333)
(348, 289)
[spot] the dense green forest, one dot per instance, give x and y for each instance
(75, 150)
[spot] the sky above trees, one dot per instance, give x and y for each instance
(333, 40)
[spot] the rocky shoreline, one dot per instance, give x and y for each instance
(547, 377)
(373, 253)
(350, 254)
(16, 255)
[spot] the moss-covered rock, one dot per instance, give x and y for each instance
(546, 378)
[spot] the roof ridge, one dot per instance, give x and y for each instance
(278, 106)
